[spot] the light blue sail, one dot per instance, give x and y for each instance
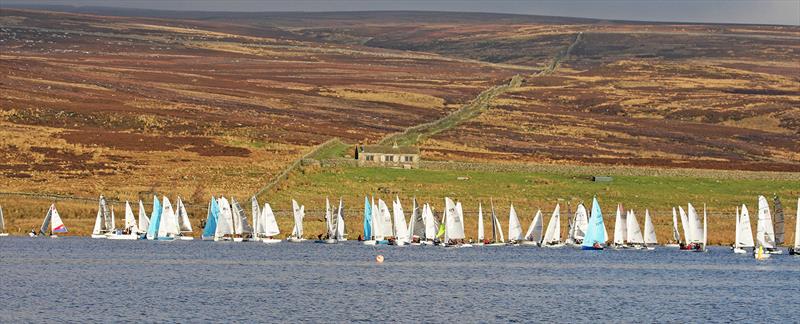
(211, 219)
(596, 233)
(155, 219)
(367, 219)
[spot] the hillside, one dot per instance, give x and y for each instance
(130, 103)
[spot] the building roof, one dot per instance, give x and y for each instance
(388, 149)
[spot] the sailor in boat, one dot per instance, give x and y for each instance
(597, 246)
(32, 233)
(360, 239)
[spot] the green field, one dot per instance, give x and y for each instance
(530, 191)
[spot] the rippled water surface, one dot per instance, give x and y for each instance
(89, 280)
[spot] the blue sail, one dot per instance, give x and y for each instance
(367, 219)
(596, 231)
(155, 219)
(211, 219)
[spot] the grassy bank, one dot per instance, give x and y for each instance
(528, 191)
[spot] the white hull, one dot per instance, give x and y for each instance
(99, 236)
(238, 239)
(495, 244)
(477, 244)
(330, 241)
(186, 238)
(31, 235)
(53, 236)
(370, 242)
(124, 237)
(739, 251)
(3, 234)
(558, 245)
(672, 245)
(526, 243)
(270, 241)
(776, 251)
(650, 248)
(206, 238)
(295, 240)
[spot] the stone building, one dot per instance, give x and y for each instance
(389, 156)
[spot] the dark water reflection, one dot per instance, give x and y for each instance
(89, 280)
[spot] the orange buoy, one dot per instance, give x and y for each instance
(379, 258)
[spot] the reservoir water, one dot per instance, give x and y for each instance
(91, 280)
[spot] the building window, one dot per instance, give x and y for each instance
(369, 157)
(409, 158)
(389, 158)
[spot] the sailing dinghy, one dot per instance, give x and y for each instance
(211, 220)
(431, 225)
(650, 240)
(620, 228)
(298, 212)
(155, 220)
(481, 239)
(184, 225)
(765, 230)
(168, 228)
(497, 230)
(534, 234)
(241, 227)
(552, 236)
(634, 234)
(416, 227)
(795, 250)
(402, 236)
(596, 232)
(52, 221)
(514, 227)
(224, 226)
(580, 225)
(2, 223)
(144, 221)
(453, 225)
(129, 232)
(270, 225)
(744, 231)
(103, 225)
(676, 234)
(330, 229)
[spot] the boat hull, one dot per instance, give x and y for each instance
(99, 236)
(270, 241)
(327, 241)
(527, 243)
(3, 234)
(739, 251)
(591, 248)
(129, 237)
(794, 251)
(295, 240)
(186, 238)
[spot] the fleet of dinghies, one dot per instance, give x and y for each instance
(226, 220)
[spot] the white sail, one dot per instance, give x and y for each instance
(101, 222)
(113, 221)
(553, 233)
(620, 227)
(765, 228)
(376, 225)
(797, 227)
(258, 228)
(497, 228)
(400, 226)
(130, 220)
(695, 227)
(56, 225)
(224, 219)
(430, 222)
(649, 229)
(385, 219)
(687, 232)
(580, 224)
(534, 233)
(168, 227)
(46, 223)
(676, 235)
(480, 223)
(269, 222)
(745, 234)
(329, 219)
(2, 222)
(514, 227)
(412, 222)
(460, 213)
(183, 217)
(634, 231)
(340, 235)
(299, 213)
(144, 221)
(453, 226)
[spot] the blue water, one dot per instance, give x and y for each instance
(90, 280)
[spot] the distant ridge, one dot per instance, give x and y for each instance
(410, 15)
